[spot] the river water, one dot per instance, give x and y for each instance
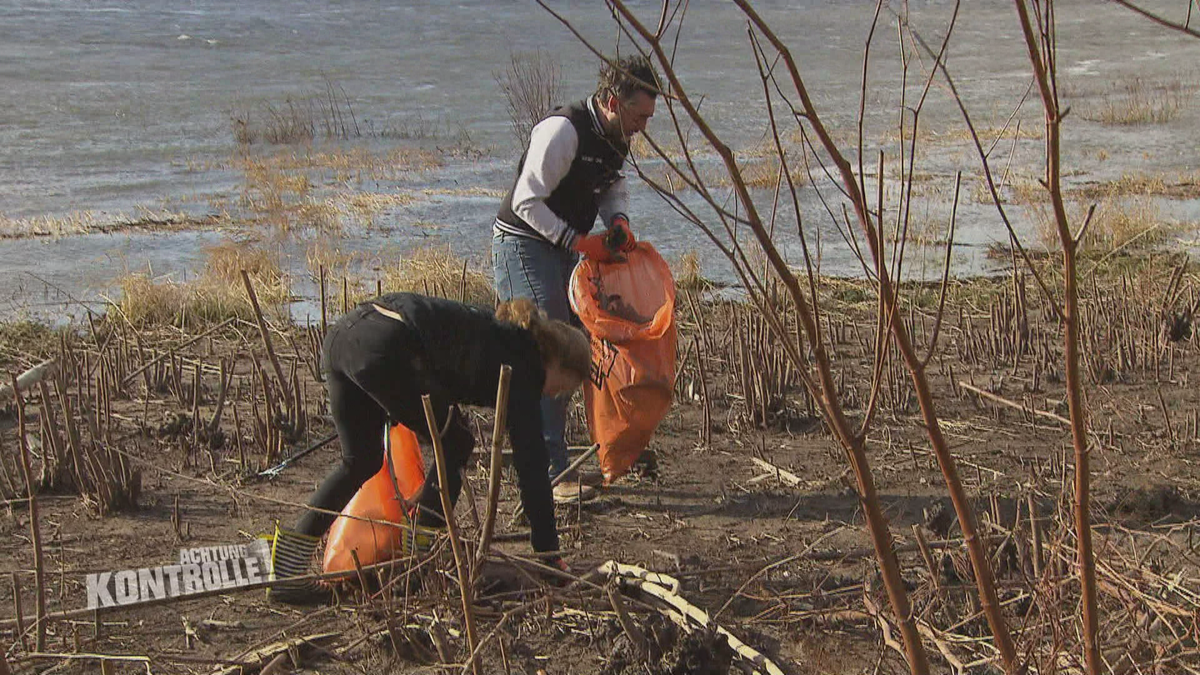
(112, 108)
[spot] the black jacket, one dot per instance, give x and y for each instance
(463, 348)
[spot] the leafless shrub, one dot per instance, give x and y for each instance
(213, 296)
(532, 86)
(298, 119)
(437, 271)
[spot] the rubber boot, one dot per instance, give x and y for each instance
(291, 556)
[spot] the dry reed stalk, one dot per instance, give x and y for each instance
(35, 530)
(266, 336)
(18, 611)
(927, 557)
(460, 557)
(496, 467)
(214, 423)
(706, 432)
(56, 452)
(324, 311)
(237, 432)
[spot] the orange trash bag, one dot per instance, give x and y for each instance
(377, 499)
(629, 310)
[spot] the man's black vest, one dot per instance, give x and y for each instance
(596, 167)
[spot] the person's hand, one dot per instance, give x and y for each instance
(593, 247)
(620, 237)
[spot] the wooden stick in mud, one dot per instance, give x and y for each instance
(29, 378)
(587, 454)
(35, 532)
(1013, 404)
(460, 560)
(489, 518)
(266, 336)
(18, 610)
(632, 631)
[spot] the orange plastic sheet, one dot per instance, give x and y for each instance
(378, 499)
(629, 309)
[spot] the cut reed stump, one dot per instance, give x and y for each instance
(35, 532)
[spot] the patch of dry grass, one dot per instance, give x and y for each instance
(1127, 217)
(144, 219)
(282, 197)
(1119, 223)
(281, 189)
(78, 222)
(686, 271)
(326, 253)
(640, 148)
(349, 164)
(435, 270)
(1182, 186)
(1138, 101)
(991, 134)
(218, 293)
(475, 191)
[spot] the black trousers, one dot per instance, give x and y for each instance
(374, 372)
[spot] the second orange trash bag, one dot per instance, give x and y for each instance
(377, 499)
(629, 309)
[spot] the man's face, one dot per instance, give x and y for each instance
(631, 115)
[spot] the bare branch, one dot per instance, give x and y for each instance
(1184, 27)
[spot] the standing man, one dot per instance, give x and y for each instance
(569, 175)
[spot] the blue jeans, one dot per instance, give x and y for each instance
(533, 268)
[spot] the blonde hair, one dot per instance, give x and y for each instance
(560, 344)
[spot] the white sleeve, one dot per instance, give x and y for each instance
(552, 147)
(614, 202)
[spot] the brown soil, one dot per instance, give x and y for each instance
(700, 508)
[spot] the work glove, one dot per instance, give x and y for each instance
(594, 247)
(620, 237)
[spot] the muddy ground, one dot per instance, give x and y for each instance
(705, 507)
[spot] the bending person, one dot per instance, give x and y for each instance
(380, 358)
